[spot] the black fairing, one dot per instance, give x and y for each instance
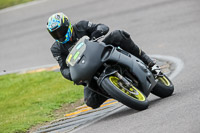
(89, 62)
(136, 67)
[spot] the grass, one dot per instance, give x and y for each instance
(29, 99)
(8, 3)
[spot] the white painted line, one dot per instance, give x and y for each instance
(12, 8)
(27, 69)
(179, 65)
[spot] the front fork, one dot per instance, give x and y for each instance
(108, 71)
(124, 80)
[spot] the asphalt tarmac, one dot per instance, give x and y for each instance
(161, 27)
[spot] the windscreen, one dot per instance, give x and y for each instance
(77, 52)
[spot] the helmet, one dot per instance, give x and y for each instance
(60, 27)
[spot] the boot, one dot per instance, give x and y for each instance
(147, 60)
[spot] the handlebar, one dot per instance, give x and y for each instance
(96, 39)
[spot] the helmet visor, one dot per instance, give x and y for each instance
(67, 36)
(59, 34)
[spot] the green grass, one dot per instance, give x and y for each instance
(7, 3)
(29, 99)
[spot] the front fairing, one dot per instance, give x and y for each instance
(84, 60)
(77, 52)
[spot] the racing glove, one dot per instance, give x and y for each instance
(96, 34)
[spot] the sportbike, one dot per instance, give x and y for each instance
(115, 73)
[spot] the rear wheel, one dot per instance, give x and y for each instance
(164, 87)
(130, 96)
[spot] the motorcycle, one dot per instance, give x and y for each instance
(116, 73)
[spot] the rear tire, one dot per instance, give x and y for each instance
(163, 88)
(133, 98)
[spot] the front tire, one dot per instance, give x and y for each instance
(163, 88)
(131, 97)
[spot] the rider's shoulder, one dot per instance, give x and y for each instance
(83, 24)
(55, 46)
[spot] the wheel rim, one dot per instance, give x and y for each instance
(164, 80)
(132, 92)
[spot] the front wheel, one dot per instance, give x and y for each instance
(164, 87)
(131, 97)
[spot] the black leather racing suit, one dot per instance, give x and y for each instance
(116, 38)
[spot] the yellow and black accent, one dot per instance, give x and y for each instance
(164, 87)
(164, 80)
(133, 92)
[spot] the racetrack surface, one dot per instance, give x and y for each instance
(161, 27)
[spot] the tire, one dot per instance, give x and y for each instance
(134, 99)
(163, 88)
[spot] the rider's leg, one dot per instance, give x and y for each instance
(92, 99)
(122, 39)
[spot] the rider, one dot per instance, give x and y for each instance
(66, 35)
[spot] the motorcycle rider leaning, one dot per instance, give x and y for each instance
(66, 35)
